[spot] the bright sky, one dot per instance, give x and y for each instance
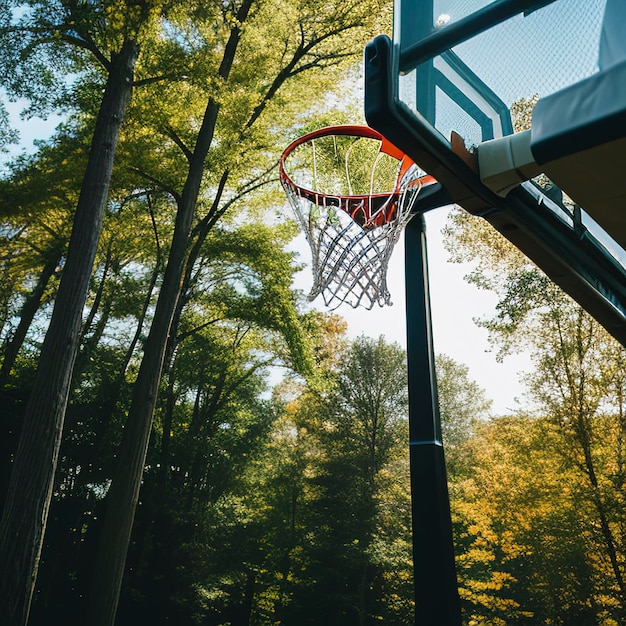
(455, 304)
(30, 130)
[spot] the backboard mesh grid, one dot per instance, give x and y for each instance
(535, 54)
(487, 86)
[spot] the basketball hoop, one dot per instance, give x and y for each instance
(352, 193)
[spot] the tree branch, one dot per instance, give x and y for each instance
(86, 43)
(182, 336)
(157, 182)
(173, 135)
(292, 68)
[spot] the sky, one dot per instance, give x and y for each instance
(455, 304)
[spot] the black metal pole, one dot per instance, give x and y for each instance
(436, 593)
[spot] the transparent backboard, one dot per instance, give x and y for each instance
(478, 67)
(471, 87)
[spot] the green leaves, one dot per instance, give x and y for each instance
(190, 271)
(563, 477)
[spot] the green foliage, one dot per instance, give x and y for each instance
(8, 135)
(462, 403)
(294, 509)
(353, 561)
(37, 201)
(559, 478)
(463, 406)
(218, 87)
(251, 274)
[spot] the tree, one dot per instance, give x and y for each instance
(320, 43)
(360, 425)
(577, 387)
(38, 199)
(191, 531)
(112, 33)
(522, 528)
(236, 85)
(371, 399)
(571, 386)
(462, 406)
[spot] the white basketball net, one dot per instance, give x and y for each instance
(349, 261)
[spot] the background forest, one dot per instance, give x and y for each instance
(154, 469)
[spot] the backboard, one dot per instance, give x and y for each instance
(483, 70)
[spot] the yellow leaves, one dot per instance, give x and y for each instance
(522, 113)
(232, 21)
(526, 526)
(496, 582)
(498, 511)
(116, 15)
(481, 594)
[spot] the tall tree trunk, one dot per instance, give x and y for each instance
(166, 436)
(605, 527)
(124, 490)
(27, 314)
(30, 490)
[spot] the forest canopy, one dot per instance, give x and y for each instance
(154, 469)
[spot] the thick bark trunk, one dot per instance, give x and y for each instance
(124, 490)
(28, 499)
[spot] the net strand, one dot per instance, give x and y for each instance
(352, 207)
(350, 262)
